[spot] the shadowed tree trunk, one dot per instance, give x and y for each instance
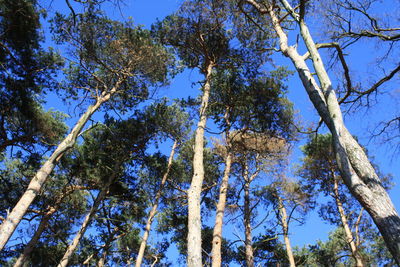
(356, 169)
(194, 193)
(247, 218)
(153, 211)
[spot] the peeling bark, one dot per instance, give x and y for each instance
(194, 193)
(153, 211)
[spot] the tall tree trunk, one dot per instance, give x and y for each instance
(217, 233)
(194, 248)
(349, 235)
(356, 169)
(153, 211)
(285, 228)
(219, 217)
(247, 219)
(71, 248)
(43, 224)
(9, 225)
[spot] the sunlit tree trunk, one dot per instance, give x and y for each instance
(356, 169)
(194, 192)
(43, 225)
(153, 211)
(9, 225)
(74, 244)
(220, 209)
(285, 228)
(349, 235)
(217, 233)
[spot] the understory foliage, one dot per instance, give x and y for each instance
(127, 173)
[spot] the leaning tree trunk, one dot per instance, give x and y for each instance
(247, 219)
(71, 248)
(356, 169)
(194, 193)
(9, 225)
(285, 228)
(349, 235)
(153, 211)
(42, 226)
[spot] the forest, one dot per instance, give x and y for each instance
(199, 133)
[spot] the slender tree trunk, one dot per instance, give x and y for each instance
(153, 211)
(9, 225)
(349, 235)
(71, 249)
(356, 169)
(219, 217)
(217, 233)
(247, 219)
(194, 192)
(43, 225)
(34, 240)
(285, 228)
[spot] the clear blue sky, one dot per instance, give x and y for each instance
(145, 12)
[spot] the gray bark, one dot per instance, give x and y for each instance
(9, 225)
(356, 169)
(153, 211)
(194, 193)
(74, 244)
(247, 219)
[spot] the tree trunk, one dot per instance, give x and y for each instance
(194, 192)
(285, 228)
(9, 225)
(217, 233)
(42, 225)
(220, 209)
(247, 219)
(153, 211)
(356, 169)
(71, 249)
(349, 235)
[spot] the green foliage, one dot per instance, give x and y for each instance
(26, 70)
(111, 55)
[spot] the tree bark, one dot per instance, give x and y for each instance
(217, 233)
(71, 248)
(349, 235)
(247, 219)
(357, 172)
(9, 225)
(220, 209)
(194, 193)
(42, 226)
(153, 211)
(285, 228)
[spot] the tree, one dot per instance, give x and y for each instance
(357, 171)
(113, 59)
(27, 70)
(198, 34)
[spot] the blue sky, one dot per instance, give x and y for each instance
(360, 124)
